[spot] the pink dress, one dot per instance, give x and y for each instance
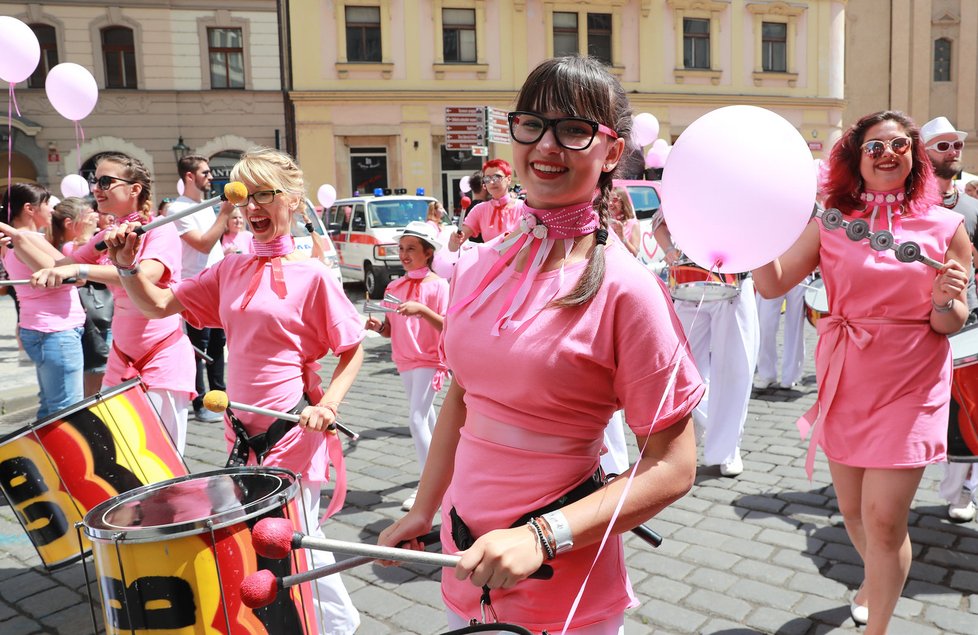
(275, 344)
(884, 374)
(488, 220)
(538, 402)
(171, 367)
(414, 342)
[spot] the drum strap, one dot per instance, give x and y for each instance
(262, 443)
(136, 367)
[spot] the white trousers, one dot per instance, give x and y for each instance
(769, 318)
(615, 459)
(958, 477)
(336, 613)
(723, 338)
(611, 626)
(172, 408)
(421, 409)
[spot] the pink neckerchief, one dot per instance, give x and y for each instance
(415, 278)
(539, 230)
(132, 217)
(498, 206)
(272, 252)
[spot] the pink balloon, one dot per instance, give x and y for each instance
(660, 144)
(738, 210)
(180, 187)
(326, 195)
(645, 128)
(21, 50)
(465, 185)
(74, 185)
(654, 159)
(71, 90)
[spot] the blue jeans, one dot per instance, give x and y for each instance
(58, 360)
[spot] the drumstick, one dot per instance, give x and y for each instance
(260, 588)
(201, 354)
(217, 401)
(15, 283)
(275, 538)
(235, 191)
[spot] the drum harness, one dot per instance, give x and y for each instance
(262, 443)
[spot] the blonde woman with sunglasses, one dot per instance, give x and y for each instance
(883, 359)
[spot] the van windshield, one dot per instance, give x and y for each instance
(645, 200)
(397, 213)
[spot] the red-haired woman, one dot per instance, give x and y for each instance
(883, 359)
(495, 216)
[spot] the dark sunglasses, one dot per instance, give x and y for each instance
(898, 145)
(104, 182)
(573, 133)
(944, 146)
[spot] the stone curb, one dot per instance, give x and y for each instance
(16, 399)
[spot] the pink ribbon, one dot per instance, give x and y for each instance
(835, 333)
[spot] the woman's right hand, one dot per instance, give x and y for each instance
(373, 324)
(122, 244)
(86, 226)
(455, 241)
(672, 255)
(404, 533)
(53, 276)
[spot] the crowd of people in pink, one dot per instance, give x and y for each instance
(538, 334)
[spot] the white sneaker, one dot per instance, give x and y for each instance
(963, 509)
(733, 467)
(409, 501)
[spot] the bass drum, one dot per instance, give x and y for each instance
(962, 430)
(816, 302)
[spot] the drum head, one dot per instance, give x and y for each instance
(705, 291)
(191, 504)
(815, 296)
(964, 346)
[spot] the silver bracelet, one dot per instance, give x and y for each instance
(83, 272)
(128, 272)
(561, 530)
(942, 308)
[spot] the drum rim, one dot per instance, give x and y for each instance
(701, 284)
(104, 532)
(78, 406)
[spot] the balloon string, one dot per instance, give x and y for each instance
(79, 139)
(11, 104)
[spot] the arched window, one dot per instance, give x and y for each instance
(47, 38)
(119, 51)
(942, 60)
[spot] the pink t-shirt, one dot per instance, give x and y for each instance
(44, 310)
(538, 400)
(240, 241)
(480, 219)
(414, 342)
(171, 368)
(275, 344)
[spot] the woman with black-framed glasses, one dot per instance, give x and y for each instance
(549, 331)
(496, 215)
(883, 359)
(156, 350)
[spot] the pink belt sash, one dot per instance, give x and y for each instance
(494, 431)
(836, 332)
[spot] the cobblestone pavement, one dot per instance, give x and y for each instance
(763, 553)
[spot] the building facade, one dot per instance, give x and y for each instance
(369, 80)
(174, 77)
(918, 56)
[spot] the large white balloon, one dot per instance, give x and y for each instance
(326, 195)
(21, 51)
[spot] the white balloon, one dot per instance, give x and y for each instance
(53, 200)
(180, 187)
(464, 185)
(326, 194)
(74, 185)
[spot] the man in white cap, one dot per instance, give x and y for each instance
(944, 144)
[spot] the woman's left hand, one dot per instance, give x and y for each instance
(317, 418)
(410, 308)
(949, 282)
(501, 558)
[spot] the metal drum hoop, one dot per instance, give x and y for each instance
(287, 486)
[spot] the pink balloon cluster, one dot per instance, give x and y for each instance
(739, 188)
(657, 154)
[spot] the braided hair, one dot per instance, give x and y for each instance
(136, 171)
(582, 87)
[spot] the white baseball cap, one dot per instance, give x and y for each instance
(424, 231)
(937, 127)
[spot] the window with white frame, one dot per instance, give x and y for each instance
(565, 33)
(774, 47)
(225, 50)
(119, 54)
(696, 43)
(458, 36)
(599, 36)
(363, 38)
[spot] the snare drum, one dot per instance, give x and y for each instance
(962, 430)
(171, 557)
(688, 281)
(816, 301)
(55, 470)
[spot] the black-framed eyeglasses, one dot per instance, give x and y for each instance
(573, 133)
(875, 148)
(104, 182)
(261, 197)
(493, 178)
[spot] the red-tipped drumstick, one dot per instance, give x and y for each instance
(217, 401)
(260, 588)
(235, 191)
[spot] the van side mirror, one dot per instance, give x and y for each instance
(334, 228)
(359, 225)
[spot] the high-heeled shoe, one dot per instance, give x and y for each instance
(859, 612)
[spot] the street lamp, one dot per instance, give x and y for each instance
(181, 149)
